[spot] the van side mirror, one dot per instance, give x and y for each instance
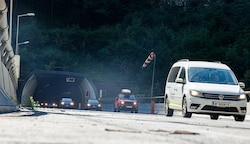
(179, 80)
(242, 85)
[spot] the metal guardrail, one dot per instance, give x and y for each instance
(141, 99)
(248, 95)
(157, 99)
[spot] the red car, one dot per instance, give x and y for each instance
(125, 101)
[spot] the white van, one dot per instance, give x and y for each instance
(204, 88)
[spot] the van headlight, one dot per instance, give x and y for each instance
(242, 97)
(195, 93)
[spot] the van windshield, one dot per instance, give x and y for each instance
(211, 75)
(127, 97)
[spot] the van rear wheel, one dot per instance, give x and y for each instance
(185, 113)
(169, 112)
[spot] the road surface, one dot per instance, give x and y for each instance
(60, 126)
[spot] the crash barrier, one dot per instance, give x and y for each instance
(248, 95)
(140, 98)
(153, 105)
(143, 108)
(145, 105)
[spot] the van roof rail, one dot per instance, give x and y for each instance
(183, 60)
(217, 61)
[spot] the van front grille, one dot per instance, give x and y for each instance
(217, 97)
(224, 109)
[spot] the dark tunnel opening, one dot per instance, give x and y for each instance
(52, 86)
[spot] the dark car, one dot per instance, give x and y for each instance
(53, 105)
(93, 104)
(125, 101)
(67, 103)
(44, 104)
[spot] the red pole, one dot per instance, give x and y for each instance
(152, 107)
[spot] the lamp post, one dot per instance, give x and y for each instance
(17, 29)
(17, 59)
(17, 56)
(23, 43)
(11, 13)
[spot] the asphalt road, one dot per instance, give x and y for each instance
(59, 126)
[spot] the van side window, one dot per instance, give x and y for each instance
(182, 74)
(173, 74)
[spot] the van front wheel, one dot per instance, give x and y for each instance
(185, 113)
(239, 118)
(168, 111)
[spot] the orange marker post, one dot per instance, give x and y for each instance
(152, 107)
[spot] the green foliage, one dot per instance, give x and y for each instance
(110, 39)
(31, 103)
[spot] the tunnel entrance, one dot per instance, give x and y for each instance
(52, 86)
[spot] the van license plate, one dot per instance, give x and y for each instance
(221, 104)
(128, 106)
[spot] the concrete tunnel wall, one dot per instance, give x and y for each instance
(50, 86)
(8, 99)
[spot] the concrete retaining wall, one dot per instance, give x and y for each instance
(158, 109)
(8, 80)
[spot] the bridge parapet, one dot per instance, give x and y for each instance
(6, 51)
(8, 73)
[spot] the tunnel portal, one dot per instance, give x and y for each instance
(51, 86)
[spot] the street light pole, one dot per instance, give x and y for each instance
(17, 59)
(23, 43)
(17, 29)
(11, 14)
(17, 56)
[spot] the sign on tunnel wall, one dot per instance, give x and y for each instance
(70, 79)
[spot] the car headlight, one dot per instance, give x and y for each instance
(99, 105)
(242, 97)
(195, 93)
(135, 103)
(71, 103)
(88, 104)
(62, 103)
(122, 102)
